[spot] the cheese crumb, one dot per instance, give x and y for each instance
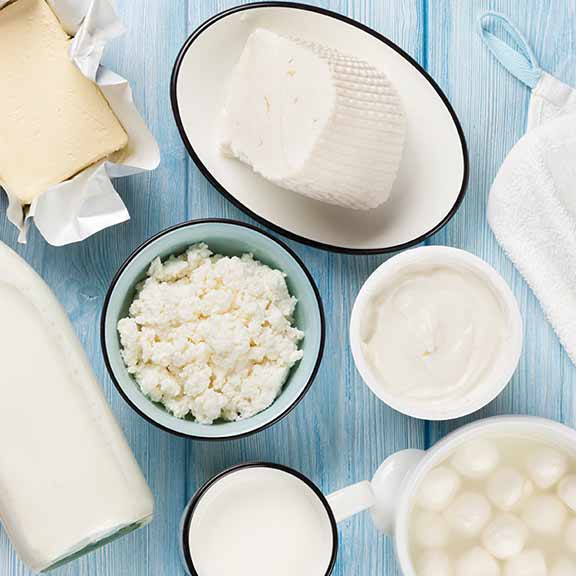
(211, 336)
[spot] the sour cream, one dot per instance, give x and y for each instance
(436, 329)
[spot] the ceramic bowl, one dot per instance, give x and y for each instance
(228, 238)
(433, 174)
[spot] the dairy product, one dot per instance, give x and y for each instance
(544, 514)
(528, 563)
(570, 535)
(260, 521)
(563, 567)
(52, 115)
(435, 563)
(476, 459)
(477, 562)
(431, 530)
(313, 120)
(68, 479)
(432, 333)
(567, 491)
(468, 514)
(211, 336)
(500, 520)
(507, 487)
(546, 467)
(505, 536)
(440, 488)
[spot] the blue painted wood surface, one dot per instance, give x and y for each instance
(341, 432)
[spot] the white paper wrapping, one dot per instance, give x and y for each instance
(88, 203)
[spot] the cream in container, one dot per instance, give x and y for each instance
(436, 333)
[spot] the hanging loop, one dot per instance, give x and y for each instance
(520, 61)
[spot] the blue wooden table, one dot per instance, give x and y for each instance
(340, 433)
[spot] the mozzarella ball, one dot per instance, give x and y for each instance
(431, 530)
(527, 563)
(563, 567)
(477, 562)
(434, 563)
(476, 459)
(468, 514)
(506, 487)
(570, 535)
(544, 514)
(505, 536)
(567, 491)
(546, 466)
(438, 489)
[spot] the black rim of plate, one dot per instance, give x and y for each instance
(315, 243)
(186, 224)
(204, 489)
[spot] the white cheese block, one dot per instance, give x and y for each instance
(314, 120)
(68, 479)
(54, 122)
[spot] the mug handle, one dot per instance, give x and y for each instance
(379, 496)
(388, 485)
(351, 500)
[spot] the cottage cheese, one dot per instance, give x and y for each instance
(211, 336)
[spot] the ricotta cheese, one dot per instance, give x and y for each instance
(314, 120)
(54, 121)
(68, 479)
(211, 336)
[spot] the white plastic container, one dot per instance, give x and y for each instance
(468, 282)
(68, 479)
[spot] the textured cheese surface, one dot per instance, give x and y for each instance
(54, 121)
(314, 120)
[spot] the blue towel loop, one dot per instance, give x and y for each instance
(520, 62)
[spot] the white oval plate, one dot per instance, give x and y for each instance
(434, 171)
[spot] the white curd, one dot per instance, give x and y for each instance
(496, 519)
(211, 336)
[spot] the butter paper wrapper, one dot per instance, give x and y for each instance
(88, 203)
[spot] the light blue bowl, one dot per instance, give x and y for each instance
(230, 238)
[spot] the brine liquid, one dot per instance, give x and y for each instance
(497, 505)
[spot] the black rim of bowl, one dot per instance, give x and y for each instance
(276, 227)
(186, 224)
(204, 489)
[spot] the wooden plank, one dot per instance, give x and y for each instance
(80, 276)
(340, 433)
(493, 108)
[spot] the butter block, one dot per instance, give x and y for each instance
(54, 122)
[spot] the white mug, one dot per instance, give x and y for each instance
(330, 510)
(390, 495)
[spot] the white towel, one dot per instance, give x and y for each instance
(532, 211)
(532, 203)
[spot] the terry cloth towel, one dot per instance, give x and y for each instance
(532, 202)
